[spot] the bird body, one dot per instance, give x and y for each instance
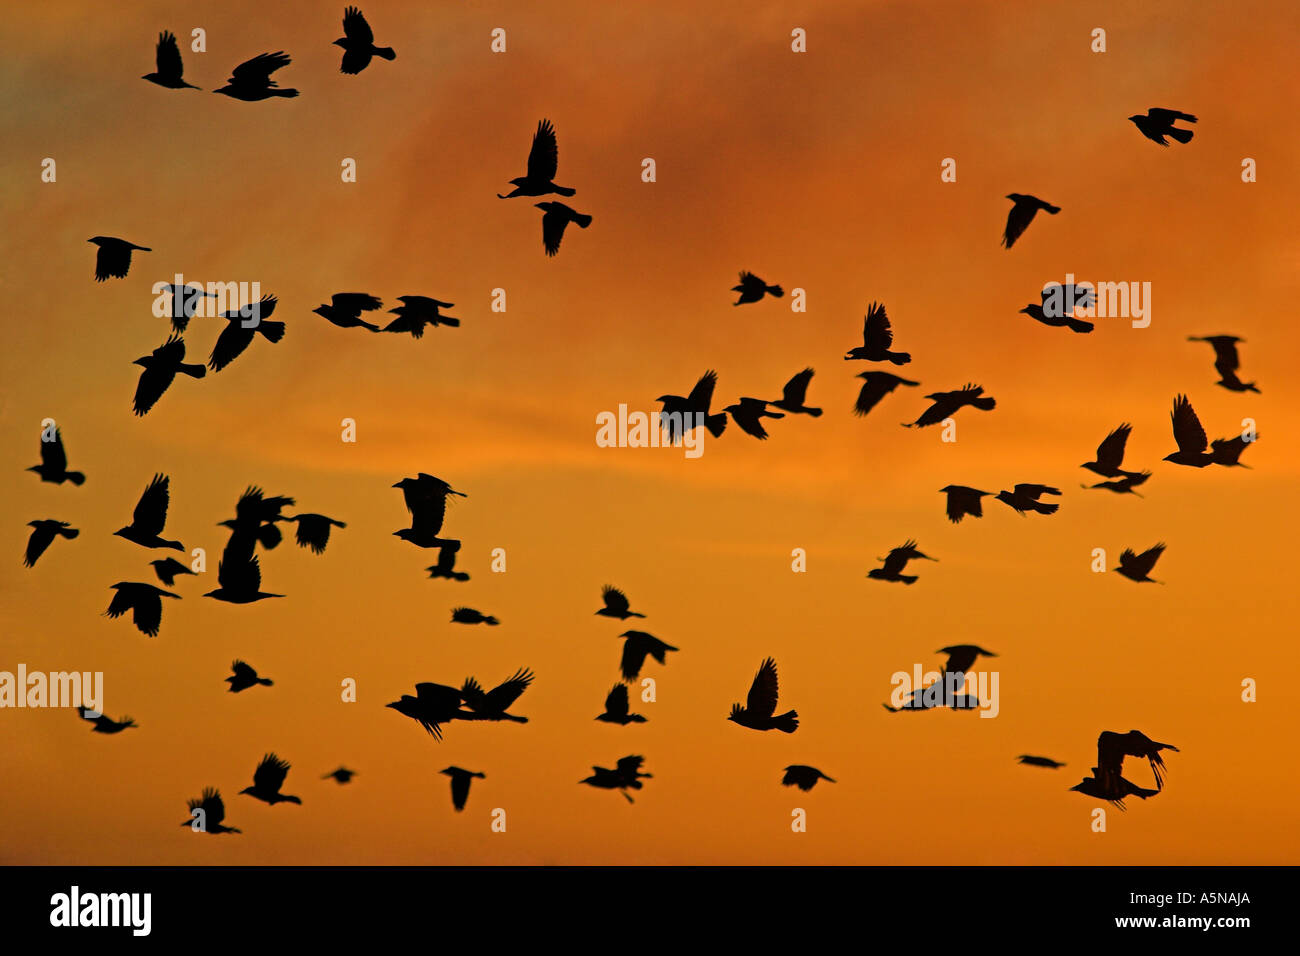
(1023, 210)
(169, 68)
(616, 604)
(759, 710)
(803, 776)
(637, 646)
(794, 396)
(213, 813)
(460, 781)
(417, 311)
(543, 161)
(1024, 497)
(105, 724)
(680, 415)
(54, 462)
(877, 339)
(468, 615)
(144, 601)
(358, 43)
(150, 516)
(244, 677)
(617, 708)
(1033, 761)
(946, 404)
(625, 775)
(268, 778)
(747, 413)
(1036, 312)
(238, 334)
(114, 257)
(1226, 361)
(894, 563)
(44, 531)
(1159, 123)
(251, 80)
(556, 216)
(1137, 567)
(752, 289)
(963, 501)
(345, 308)
(161, 367)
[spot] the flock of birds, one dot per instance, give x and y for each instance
(255, 526)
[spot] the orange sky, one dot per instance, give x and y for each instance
(818, 171)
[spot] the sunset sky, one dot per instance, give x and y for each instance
(818, 171)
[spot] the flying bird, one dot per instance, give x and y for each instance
(345, 308)
(1159, 123)
(894, 563)
(626, 774)
(493, 704)
(105, 724)
(251, 80)
(237, 336)
(803, 776)
(213, 811)
(169, 68)
(1030, 760)
(963, 501)
(794, 396)
(637, 646)
(1189, 436)
(617, 708)
(313, 530)
(358, 42)
(961, 657)
(746, 414)
(1226, 451)
(1024, 497)
(680, 415)
(759, 712)
(54, 461)
(268, 778)
(1036, 312)
(467, 615)
(1124, 485)
(150, 516)
(239, 582)
(432, 706)
(556, 216)
(1112, 748)
(161, 367)
(1022, 213)
(1137, 567)
(426, 500)
(1110, 454)
(341, 776)
(752, 289)
(543, 161)
(1113, 791)
(445, 568)
(243, 677)
(114, 257)
(1226, 361)
(946, 404)
(460, 781)
(143, 600)
(616, 604)
(44, 531)
(187, 302)
(877, 338)
(417, 311)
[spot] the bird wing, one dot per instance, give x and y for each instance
(1034, 491)
(243, 671)
(258, 70)
(1168, 116)
(505, 694)
(1110, 453)
(553, 224)
(876, 331)
(629, 767)
(270, 773)
(1145, 561)
(1188, 433)
(796, 390)
(544, 157)
(616, 702)
(151, 512)
(459, 790)
(763, 692)
(634, 653)
(1018, 220)
(53, 455)
(702, 394)
(355, 26)
(168, 56)
(615, 600)
(147, 616)
(230, 344)
(214, 808)
(355, 301)
(41, 537)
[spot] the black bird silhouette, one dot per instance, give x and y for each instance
(877, 337)
(759, 712)
(637, 645)
(1024, 497)
(1226, 361)
(460, 781)
(244, 677)
(251, 80)
(794, 396)
(556, 215)
(616, 604)
(963, 501)
(1112, 748)
(345, 310)
(746, 414)
(682, 414)
(1123, 485)
(935, 695)
(802, 776)
(236, 337)
(54, 462)
(160, 369)
(105, 724)
(214, 811)
(895, 562)
(1035, 311)
(150, 516)
(169, 68)
(114, 257)
(417, 311)
(45, 530)
(752, 289)
(426, 500)
(268, 778)
(946, 404)
(342, 775)
(358, 42)
(543, 161)
(1226, 451)
(1189, 435)
(617, 708)
(467, 615)
(1137, 567)
(961, 657)
(239, 582)
(445, 568)
(432, 706)
(168, 568)
(1022, 214)
(313, 530)
(1032, 761)
(627, 773)
(1110, 455)
(1113, 791)
(1159, 123)
(493, 704)
(187, 302)
(143, 600)
(254, 523)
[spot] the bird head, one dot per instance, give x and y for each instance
(97, 239)
(1133, 119)
(319, 310)
(450, 772)
(341, 41)
(1170, 457)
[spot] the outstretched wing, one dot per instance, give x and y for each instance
(1145, 561)
(258, 70)
(243, 671)
(702, 394)
(270, 773)
(1188, 433)
(151, 512)
(615, 600)
(763, 692)
(616, 701)
(876, 331)
(355, 26)
(544, 157)
(1110, 453)
(168, 56)
(53, 455)
(796, 390)
(505, 694)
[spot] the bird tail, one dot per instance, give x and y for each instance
(907, 578)
(193, 371)
(69, 533)
(900, 358)
(987, 404)
(634, 614)
(582, 220)
(775, 291)
(1078, 325)
(271, 331)
(1045, 509)
(490, 620)
(265, 681)
(386, 52)
(716, 424)
(1182, 135)
(787, 722)
(76, 477)
(372, 328)
(1047, 207)
(567, 191)
(448, 320)
(289, 94)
